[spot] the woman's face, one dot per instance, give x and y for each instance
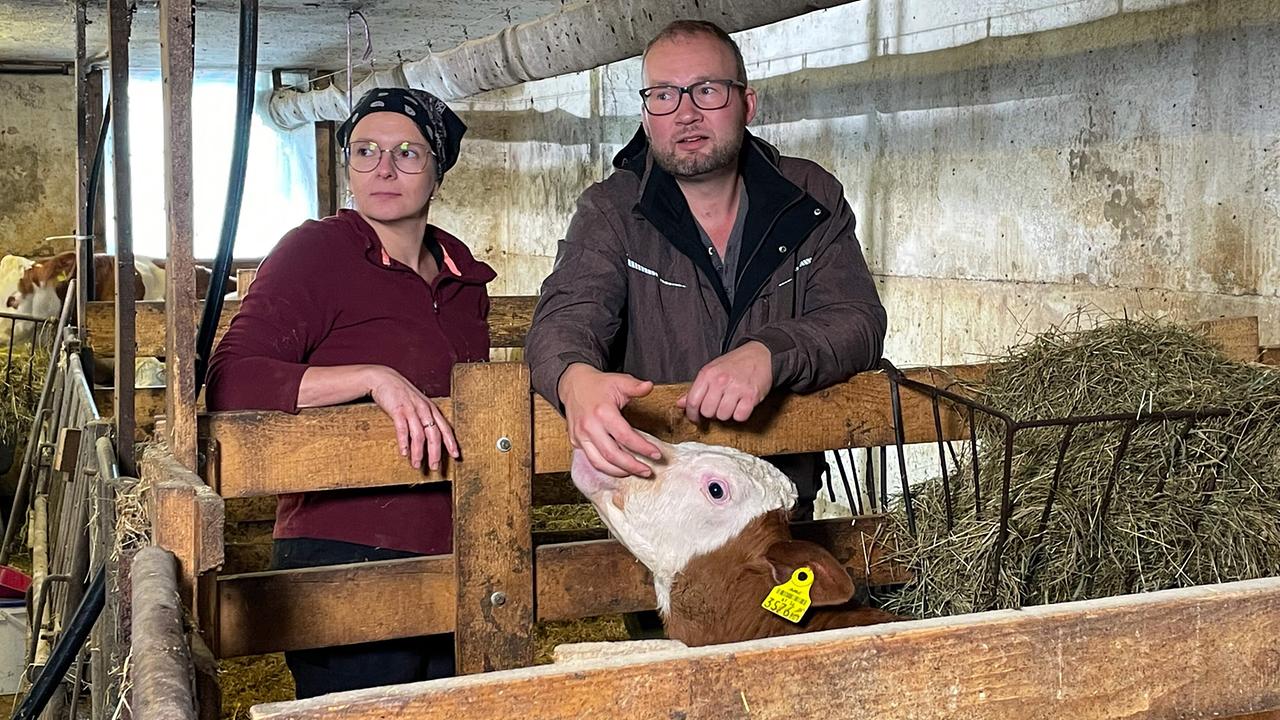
(387, 193)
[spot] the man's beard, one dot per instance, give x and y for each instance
(692, 165)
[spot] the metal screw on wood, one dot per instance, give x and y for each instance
(498, 599)
(504, 444)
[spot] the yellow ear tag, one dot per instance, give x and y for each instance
(790, 600)
(62, 277)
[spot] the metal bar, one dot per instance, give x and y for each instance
(18, 509)
(898, 441)
(1178, 450)
(1033, 565)
(844, 480)
(871, 479)
(853, 470)
(1006, 510)
(119, 19)
(1105, 503)
(977, 486)
(942, 462)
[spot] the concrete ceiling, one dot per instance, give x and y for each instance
(303, 34)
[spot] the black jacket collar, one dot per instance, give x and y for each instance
(779, 208)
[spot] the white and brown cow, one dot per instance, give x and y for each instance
(711, 525)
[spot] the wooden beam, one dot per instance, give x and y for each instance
(280, 610)
(187, 518)
(318, 449)
(354, 445)
(88, 121)
(1196, 652)
(856, 413)
(493, 541)
(164, 674)
(148, 403)
(119, 19)
(336, 605)
(177, 59)
(1237, 336)
(326, 170)
(509, 318)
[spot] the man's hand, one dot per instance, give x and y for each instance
(730, 386)
(593, 402)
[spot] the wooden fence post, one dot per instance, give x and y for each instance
(492, 536)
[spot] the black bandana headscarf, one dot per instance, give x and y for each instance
(440, 126)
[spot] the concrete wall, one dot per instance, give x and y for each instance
(1009, 162)
(37, 163)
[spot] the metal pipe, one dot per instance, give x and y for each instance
(577, 37)
(66, 651)
(248, 65)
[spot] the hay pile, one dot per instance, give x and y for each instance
(1184, 511)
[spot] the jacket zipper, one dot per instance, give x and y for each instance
(728, 337)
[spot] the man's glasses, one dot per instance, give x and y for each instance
(364, 155)
(706, 95)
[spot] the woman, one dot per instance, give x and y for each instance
(369, 303)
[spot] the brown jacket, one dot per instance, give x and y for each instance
(633, 289)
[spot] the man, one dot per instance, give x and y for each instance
(706, 257)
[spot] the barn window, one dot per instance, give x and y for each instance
(280, 180)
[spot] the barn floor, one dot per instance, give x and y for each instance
(249, 681)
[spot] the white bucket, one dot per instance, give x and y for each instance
(13, 647)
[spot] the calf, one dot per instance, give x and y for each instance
(711, 525)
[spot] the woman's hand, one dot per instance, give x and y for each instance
(419, 423)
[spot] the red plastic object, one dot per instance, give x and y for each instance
(13, 582)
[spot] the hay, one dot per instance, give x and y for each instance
(565, 517)
(1184, 511)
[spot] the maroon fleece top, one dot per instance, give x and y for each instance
(328, 295)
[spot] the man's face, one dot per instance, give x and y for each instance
(692, 142)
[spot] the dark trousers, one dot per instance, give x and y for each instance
(352, 667)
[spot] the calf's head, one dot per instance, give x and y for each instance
(699, 498)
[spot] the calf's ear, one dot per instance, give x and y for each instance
(831, 582)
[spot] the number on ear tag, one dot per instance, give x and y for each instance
(790, 600)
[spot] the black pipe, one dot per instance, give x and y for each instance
(66, 651)
(248, 66)
(85, 244)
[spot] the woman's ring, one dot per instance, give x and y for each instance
(430, 424)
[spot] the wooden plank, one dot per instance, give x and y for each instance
(493, 541)
(856, 413)
(66, 450)
(177, 60)
(148, 403)
(1197, 652)
(187, 517)
(244, 279)
(119, 19)
(354, 445)
(318, 607)
(326, 169)
(317, 449)
(164, 675)
(1270, 356)
(151, 326)
(1237, 336)
(337, 605)
(509, 318)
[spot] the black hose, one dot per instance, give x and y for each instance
(91, 212)
(248, 66)
(91, 201)
(66, 650)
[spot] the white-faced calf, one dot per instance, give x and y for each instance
(711, 525)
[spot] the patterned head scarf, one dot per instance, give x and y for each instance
(439, 125)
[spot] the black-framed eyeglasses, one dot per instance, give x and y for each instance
(408, 157)
(706, 95)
